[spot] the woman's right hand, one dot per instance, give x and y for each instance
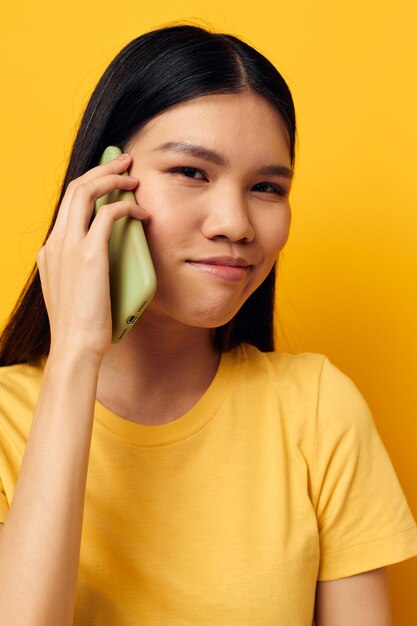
(74, 263)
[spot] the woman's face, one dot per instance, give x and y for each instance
(213, 176)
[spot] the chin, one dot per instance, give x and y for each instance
(211, 318)
(202, 315)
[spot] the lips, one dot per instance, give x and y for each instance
(223, 260)
(224, 268)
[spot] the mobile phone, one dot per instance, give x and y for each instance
(131, 271)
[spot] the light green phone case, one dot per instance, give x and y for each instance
(132, 274)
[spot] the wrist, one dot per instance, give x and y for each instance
(68, 358)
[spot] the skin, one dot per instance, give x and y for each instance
(360, 600)
(167, 360)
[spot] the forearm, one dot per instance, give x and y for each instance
(40, 540)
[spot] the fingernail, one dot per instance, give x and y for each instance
(123, 156)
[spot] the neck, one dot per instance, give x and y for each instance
(156, 374)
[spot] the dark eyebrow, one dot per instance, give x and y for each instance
(210, 155)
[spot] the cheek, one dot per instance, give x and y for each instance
(152, 194)
(166, 202)
(168, 227)
(274, 234)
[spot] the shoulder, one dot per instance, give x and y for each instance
(278, 360)
(18, 376)
(302, 370)
(298, 371)
(308, 381)
(19, 388)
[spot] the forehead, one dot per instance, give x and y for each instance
(245, 121)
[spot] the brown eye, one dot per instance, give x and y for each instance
(188, 171)
(275, 188)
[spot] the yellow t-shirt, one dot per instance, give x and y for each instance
(229, 515)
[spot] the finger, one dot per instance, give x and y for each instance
(115, 166)
(81, 208)
(101, 228)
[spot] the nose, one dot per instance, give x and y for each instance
(228, 217)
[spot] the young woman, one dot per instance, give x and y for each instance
(189, 474)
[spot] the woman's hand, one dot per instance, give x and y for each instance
(74, 264)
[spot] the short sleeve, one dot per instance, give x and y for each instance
(363, 517)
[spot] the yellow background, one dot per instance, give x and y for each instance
(347, 277)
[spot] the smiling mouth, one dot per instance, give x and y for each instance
(223, 260)
(224, 269)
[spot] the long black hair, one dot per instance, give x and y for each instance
(155, 71)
